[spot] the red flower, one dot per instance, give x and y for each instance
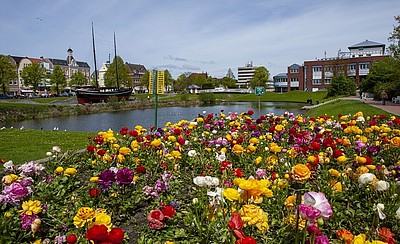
(177, 131)
(71, 238)
(168, 212)
(94, 192)
(238, 172)
(116, 236)
(249, 240)
(101, 152)
(123, 131)
(210, 116)
(97, 233)
(156, 214)
(140, 169)
(387, 235)
(155, 219)
(133, 133)
(181, 140)
(250, 112)
(90, 148)
(98, 139)
(236, 225)
(337, 153)
(315, 146)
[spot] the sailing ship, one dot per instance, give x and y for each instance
(97, 94)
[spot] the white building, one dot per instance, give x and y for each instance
(245, 74)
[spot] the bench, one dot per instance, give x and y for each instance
(396, 100)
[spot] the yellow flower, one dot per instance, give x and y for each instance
(59, 170)
(279, 127)
(9, 179)
(274, 147)
(251, 148)
(169, 242)
(156, 143)
(94, 179)
(237, 149)
(121, 158)
(301, 172)
(83, 216)
(290, 202)
(334, 172)
(254, 215)
(172, 138)
(254, 189)
(38, 241)
(360, 239)
(70, 171)
(176, 154)
(336, 186)
(135, 146)
(231, 194)
(258, 160)
(395, 141)
(253, 140)
(342, 159)
(30, 207)
(124, 150)
(102, 219)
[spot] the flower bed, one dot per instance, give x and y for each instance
(220, 178)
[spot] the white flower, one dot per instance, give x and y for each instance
(206, 181)
(214, 132)
(192, 153)
(220, 157)
(114, 169)
(360, 119)
(216, 196)
(398, 213)
(9, 165)
(366, 178)
(56, 149)
(382, 185)
(380, 208)
(48, 154)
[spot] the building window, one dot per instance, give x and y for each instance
(316, 81)
(328, 68)
(352, 67)
(294, 70)
(317, 68)
(328, 81)
(294, 79)
(364, 66)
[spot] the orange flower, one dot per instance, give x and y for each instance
(345, 236)
(395, 141)
(387, 235)
(301, 172)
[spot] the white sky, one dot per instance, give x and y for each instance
(194, 36)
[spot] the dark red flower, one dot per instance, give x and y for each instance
(315, 146)
(123, 131)
(94, 192)
(133, 133)
(71, 238)
(140, 169)
(238, 172)
(250, 112)
(98, 139)
(177, 131)
(97, 233)
(249, 240)
(116, 236)
(210, 116)
(90, 148)
(168, 212)
(337, 153)
(101, 152)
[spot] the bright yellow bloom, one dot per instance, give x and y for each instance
(231, 194)
(172, 138)
(125, 151)
(334, 172)
(342, 159)
(290, 202)
(254, 215)
(9, 179)
(251, 148)
(336, 186)
(237, 149)
(274, 147)
(70, 171)
(395, 141)
(135, 145)
(121, 158)
(59, 170)
(360, 239)
(361, 160)
(84, 216)
(156, 143)
(176, 154)
(258, 160)
(94, 179)
(253, 189)
(102, 219)
(116, 146)
(30, 207)
(253, 140)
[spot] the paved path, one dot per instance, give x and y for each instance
(389, 107)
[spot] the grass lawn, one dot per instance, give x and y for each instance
(292, 96)
(21, 146)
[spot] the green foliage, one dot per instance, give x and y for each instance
(33, 75)
(8, 71)
(207, 98)
(228, 82)
(394, 47)
(342, 86)
(260, 78)
(384, 75)
(181, 83)
(78, 79)
(118, 66)
(57, 79)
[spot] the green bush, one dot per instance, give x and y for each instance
(207, 98)
(342, 86)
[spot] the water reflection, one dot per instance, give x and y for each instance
(146, 117)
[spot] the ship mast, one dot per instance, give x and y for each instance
(116, 60)
(94, 56)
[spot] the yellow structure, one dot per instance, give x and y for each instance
(156, 81)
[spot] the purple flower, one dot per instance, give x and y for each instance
(13, 193)
(31, 168)
(359, 145)
(319, 201)
(228, 183)
(105, 179)
(261, 173)
(321, 240)
(60, 239)
(26, 182)
(161, 186)
(27, 221)
(124, 176)
(373, 149)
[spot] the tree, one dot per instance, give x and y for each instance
(33, 75)
(144, 80)
(394, 38)
(8, 71)
(230, 74)
(228, 82)
(169, 81)
(260, 78)
(78, 79)
(57, 79)
(181, 83)
(110, 77)
(342, 85)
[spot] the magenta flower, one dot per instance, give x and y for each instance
(124, 176)
(13, 193)
(308, 212)
(105, 179)
(27, 221)
(319, 201)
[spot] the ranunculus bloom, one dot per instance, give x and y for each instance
(106, 178)
(124, 176)
(70, 171)
(366, 178)
(308, 212)
(155, 219)
(231, 194)
(71, 238)
(382, 185)
(254, 215)
(345, 236)
(30, 207)
(83, 216)
(97, 233)
(116, 235)
(206, 181)
(319, 201)
(102, 219)
(168, 212)
(301, 172)
(125, 150)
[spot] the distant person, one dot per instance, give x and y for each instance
(384, 96)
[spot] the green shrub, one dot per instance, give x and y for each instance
(207, 98)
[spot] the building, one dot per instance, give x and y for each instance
(245, 74)
(137, 71)
(280, 82)
(316, 75)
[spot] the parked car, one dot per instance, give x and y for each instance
(64, 94)
(4, 96)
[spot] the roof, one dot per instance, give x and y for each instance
(280, 75)
(294, 66)
(135, 67)
(63, 62)
(193, 87)
(367, 43)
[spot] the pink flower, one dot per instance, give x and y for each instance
(319, 201)
(155, 219)
(308, 212)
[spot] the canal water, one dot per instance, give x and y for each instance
(146, 117)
